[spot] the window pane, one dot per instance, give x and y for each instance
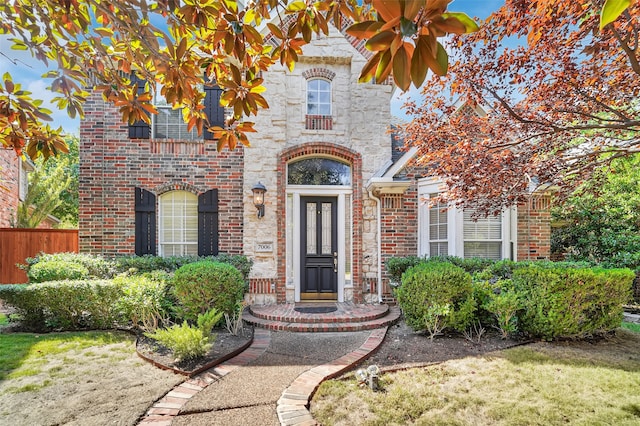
(484, 249)
(311, 228)
(318, 97)
(325, 97)
(178, 223)
(484, 228)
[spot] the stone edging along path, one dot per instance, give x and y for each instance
(292, 407)
(166, 408)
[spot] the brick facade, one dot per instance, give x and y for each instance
(534, 228)
(111, 166)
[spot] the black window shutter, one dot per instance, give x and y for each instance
(145, 222)
(215, 112)
(208, 223)
(139, 129)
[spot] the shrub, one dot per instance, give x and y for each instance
(571, 302)
(25, 301)
(436, 295)
(56, 270)
(97, 267)
(65, 305)
(145, 299)
(396, 266)
(203, 285)
(504, 304)
(208, 320)
(148, 263)
(186, 342)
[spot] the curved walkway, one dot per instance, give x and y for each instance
(280, 373)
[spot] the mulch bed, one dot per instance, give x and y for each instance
(225, 346)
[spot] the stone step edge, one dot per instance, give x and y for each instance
(391, 318)
(318, 318)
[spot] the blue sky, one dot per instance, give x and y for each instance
(27, 71)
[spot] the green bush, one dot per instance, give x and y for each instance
(186, 342)
(56, 270)
(96, 266)
(145, 300)
(148, 263)
(571, 302)
(504, 304)
(65, 305)
(437, 295)
(25, 300)
(203, 285)
(396, 266)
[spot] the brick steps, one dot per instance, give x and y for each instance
(346, 318)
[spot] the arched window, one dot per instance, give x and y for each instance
(318, 97)
(178, 223)
(318, 171)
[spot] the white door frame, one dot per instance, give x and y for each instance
(298, 191)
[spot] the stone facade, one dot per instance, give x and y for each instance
(358, 136)
(9, 186)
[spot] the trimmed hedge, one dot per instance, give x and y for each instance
(57, 270)
(96, 266)
(65, 305)
(203, 285)
(543, 299)
(436, 295)
(571, 302)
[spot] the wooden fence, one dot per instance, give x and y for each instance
(16, 244)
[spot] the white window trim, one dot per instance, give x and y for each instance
(330, 96)
(455, 220)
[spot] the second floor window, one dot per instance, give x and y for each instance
(318, 97)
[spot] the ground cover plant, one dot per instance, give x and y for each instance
(545, 383)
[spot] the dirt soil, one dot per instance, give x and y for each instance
(112, 385)
(404, 348)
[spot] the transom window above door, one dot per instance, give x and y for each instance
(318, 171)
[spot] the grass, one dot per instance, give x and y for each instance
(631, 326)
(539, 384)
(25, 354)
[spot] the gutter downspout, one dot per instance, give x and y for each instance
(379, 242)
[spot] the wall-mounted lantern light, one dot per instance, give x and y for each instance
(258, 197)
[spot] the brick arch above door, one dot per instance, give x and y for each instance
(323, 150)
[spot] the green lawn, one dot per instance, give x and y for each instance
(587, 383)
(631, 326)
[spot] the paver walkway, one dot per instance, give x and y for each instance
(269, 384)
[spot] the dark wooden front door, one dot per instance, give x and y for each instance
(319, 248)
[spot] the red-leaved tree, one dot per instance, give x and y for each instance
(561, 96)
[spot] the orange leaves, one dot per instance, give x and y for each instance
(231, 137)
(20, 122)
(405, 39)
(172, 43)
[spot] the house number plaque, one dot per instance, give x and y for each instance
(264, 247)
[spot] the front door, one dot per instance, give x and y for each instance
(319, 248)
